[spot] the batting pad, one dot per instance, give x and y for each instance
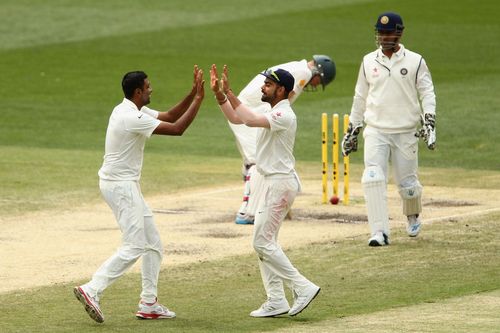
(374, 186)
(412, 199)
(246, 193)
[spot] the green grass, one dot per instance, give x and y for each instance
(450, 260)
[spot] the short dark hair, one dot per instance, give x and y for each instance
(131, 81)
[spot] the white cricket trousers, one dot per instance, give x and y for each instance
(140, 238)
(275, 267)
(400, 148)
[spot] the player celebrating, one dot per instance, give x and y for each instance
(394, 88)
(275, 162)
(308, 75)
(131, 123)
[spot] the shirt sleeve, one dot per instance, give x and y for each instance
(425, 89)
(151, 112)
(301, 77)
(359, 101)
(279, 120)
(141, 123)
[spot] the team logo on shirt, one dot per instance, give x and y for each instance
(376, 72)
(403, 71)
(275, 115)
(302, 83)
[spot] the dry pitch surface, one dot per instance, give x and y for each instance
(198, 226)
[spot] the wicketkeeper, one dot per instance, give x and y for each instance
(394, 94)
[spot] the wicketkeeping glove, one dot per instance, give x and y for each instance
(428, 130)
(350, 140)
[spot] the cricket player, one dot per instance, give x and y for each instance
(274, 160)
(308, 75)
(393, 95)
(131, 123)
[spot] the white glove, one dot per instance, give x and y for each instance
(350, 140)
(428, 130)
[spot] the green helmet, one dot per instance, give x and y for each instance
(325, 68)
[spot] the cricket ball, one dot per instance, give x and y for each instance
(334, 200)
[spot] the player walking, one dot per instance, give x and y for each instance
(308, 75)
(131, 123)
(275, 162)
(393, 93)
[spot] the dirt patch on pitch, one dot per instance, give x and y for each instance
(198, 225)
(449, 203)
(332, 217)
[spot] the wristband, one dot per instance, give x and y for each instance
(221, 101)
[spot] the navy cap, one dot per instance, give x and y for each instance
(389, 22)
(281, 77)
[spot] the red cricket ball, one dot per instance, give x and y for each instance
(334, 200)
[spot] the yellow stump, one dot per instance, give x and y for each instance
(335, 154)
(346, 166)
(324, 155)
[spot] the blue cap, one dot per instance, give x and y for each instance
(389, 22)
(281, 77)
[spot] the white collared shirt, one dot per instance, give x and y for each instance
(128, 130)
(274, 153)
(391, 93)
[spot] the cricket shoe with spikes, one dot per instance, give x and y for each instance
(90, 303)
(379, 239)
(271, 309)
(414, 225)
(303, 298)
(153, 311)
(244, 219)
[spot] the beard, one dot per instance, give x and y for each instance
(268, 98)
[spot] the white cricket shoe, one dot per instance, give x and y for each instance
(271, 309)
(379, 239)
(153, 311)
(90, 303)
(303, 299)
(414, 225)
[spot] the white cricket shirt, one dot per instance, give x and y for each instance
(251, 97)
(128, 130)
(274, 153)
(391, 92)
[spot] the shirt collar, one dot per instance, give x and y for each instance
(129, 103)
(282, 102)
(399, 54)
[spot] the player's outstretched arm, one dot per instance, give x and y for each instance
(180, 125)
(178, 110)
(221, 97)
